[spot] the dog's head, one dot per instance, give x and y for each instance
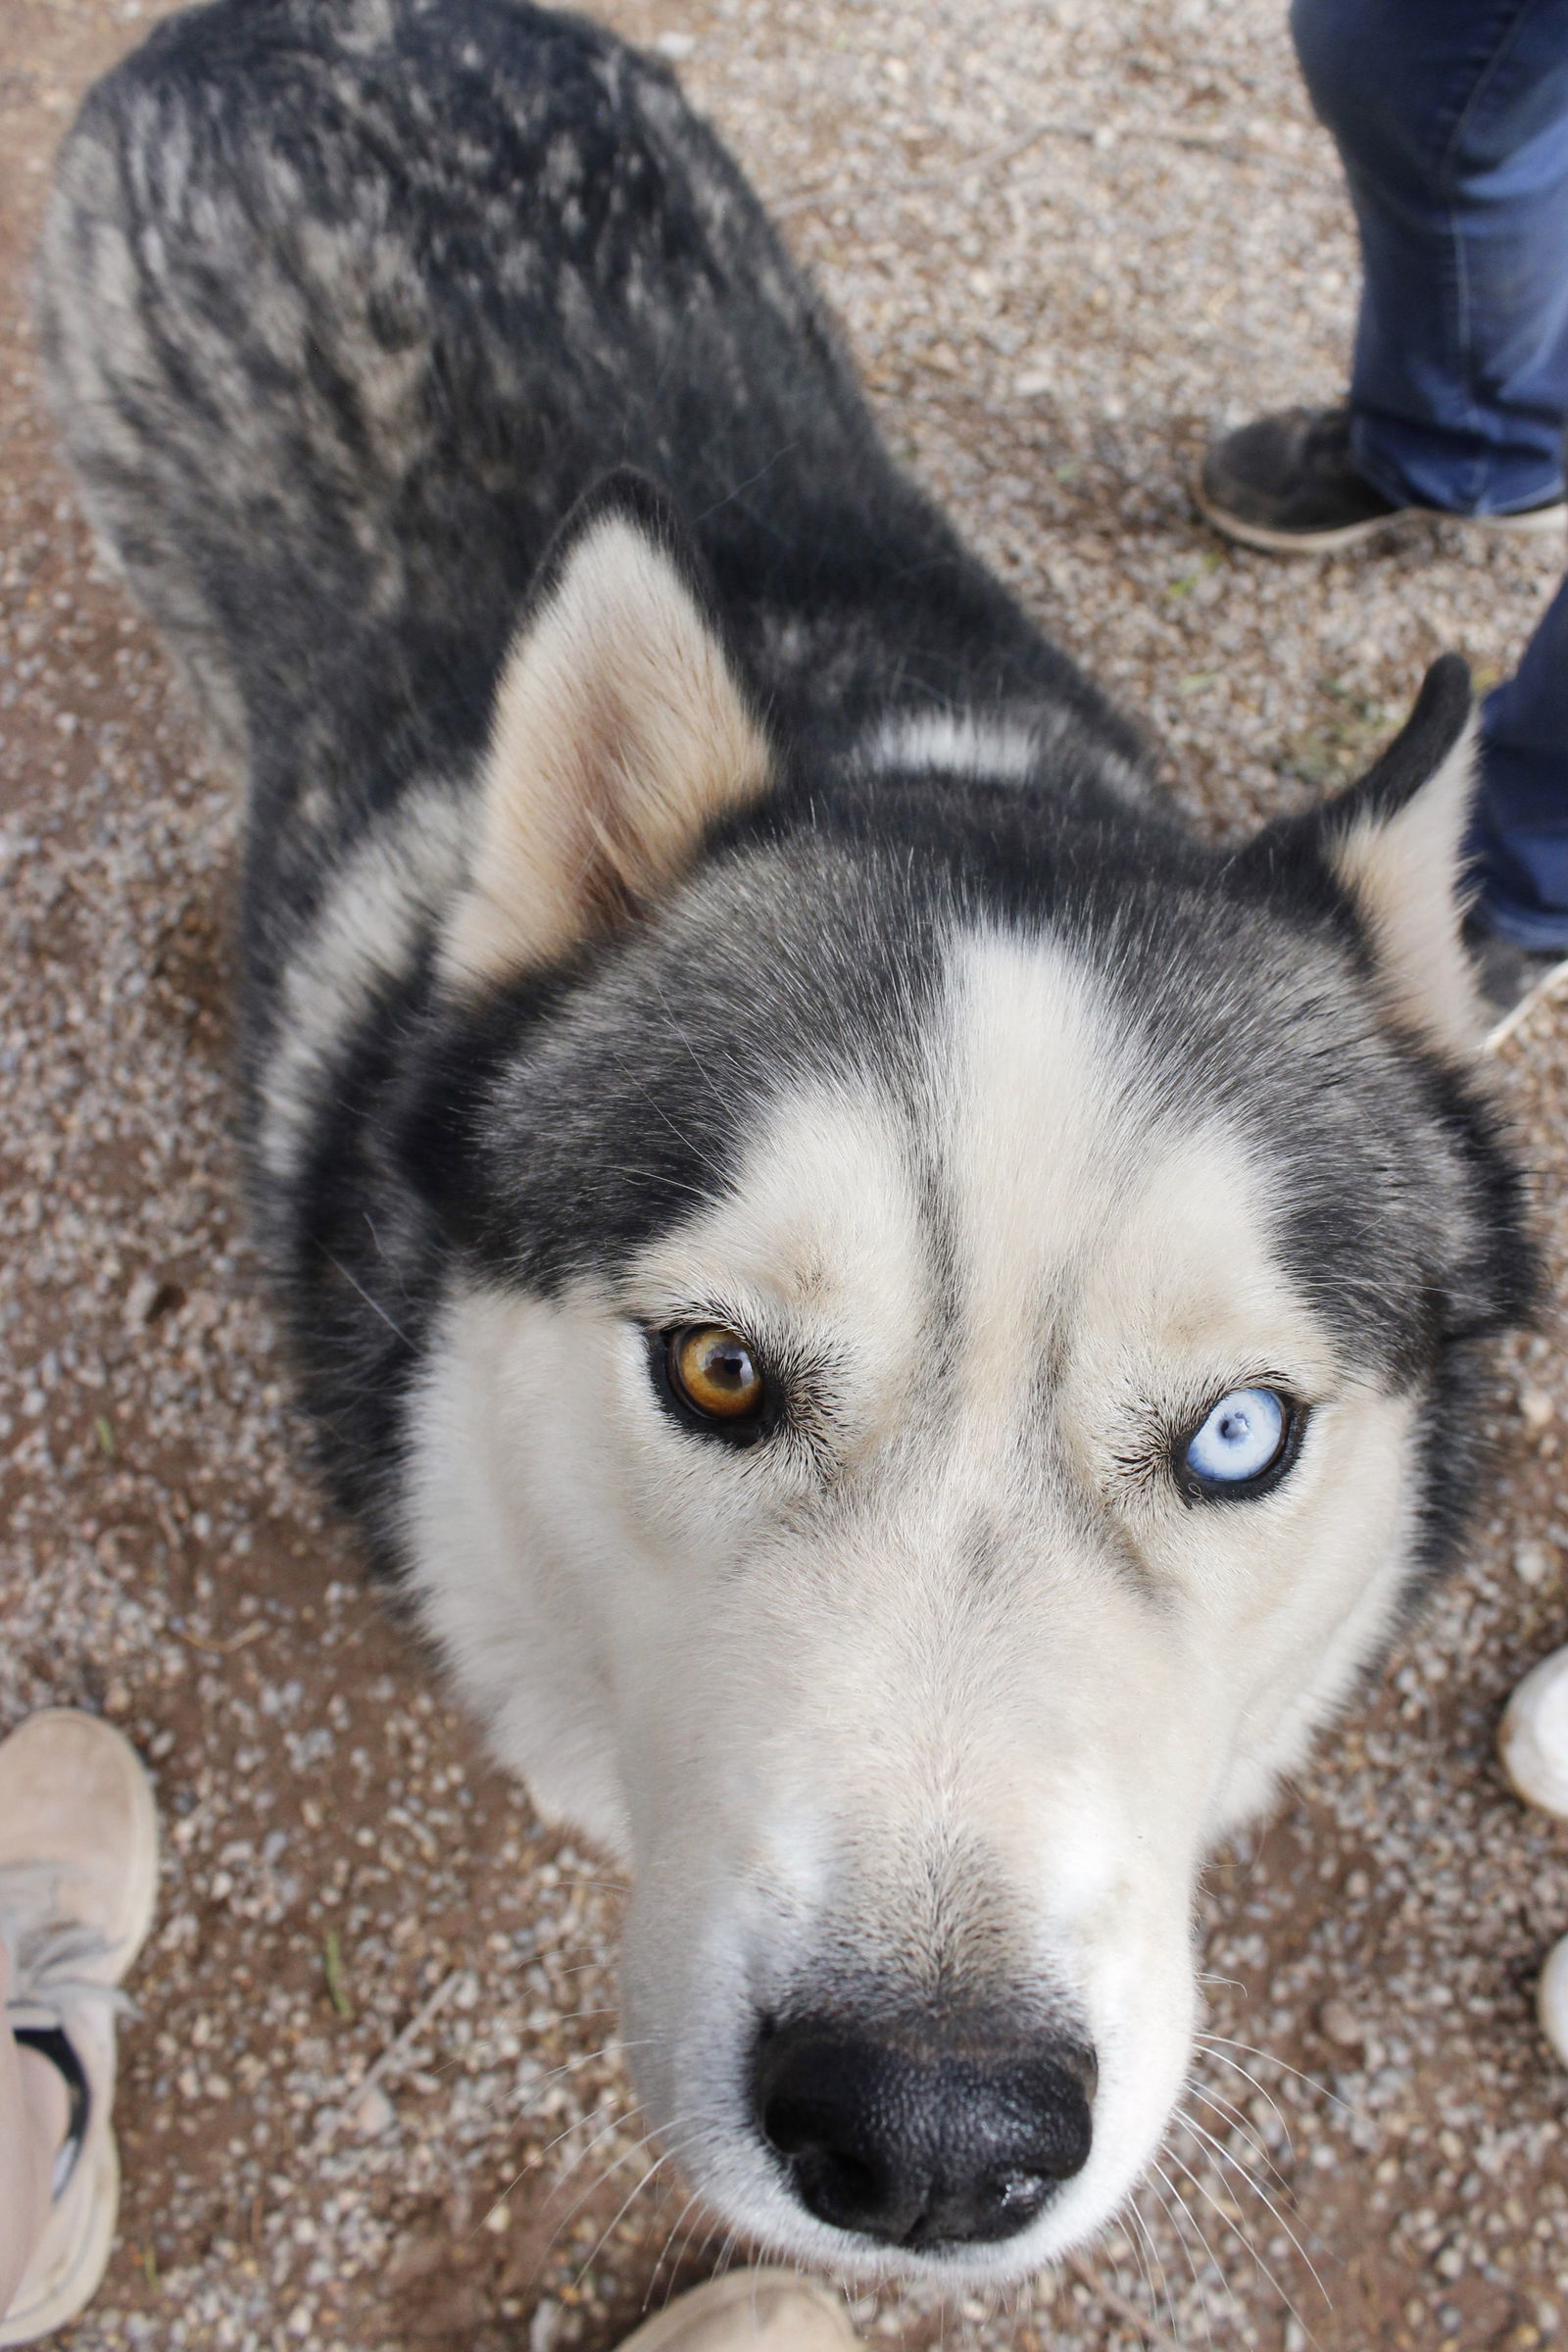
(964, 1335)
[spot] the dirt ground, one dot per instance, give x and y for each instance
(371, 2099)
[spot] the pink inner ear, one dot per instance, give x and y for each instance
(620, 734)
(1405, 873)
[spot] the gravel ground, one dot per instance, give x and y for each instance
(371, 2101)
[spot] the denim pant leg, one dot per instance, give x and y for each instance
(1519, 840)
(1451, 121)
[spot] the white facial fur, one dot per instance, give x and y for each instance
(948, 1687)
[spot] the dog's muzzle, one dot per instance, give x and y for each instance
(918, 2134)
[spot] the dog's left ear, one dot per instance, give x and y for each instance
(1394, 845)
(1396, 841)
(619, 735)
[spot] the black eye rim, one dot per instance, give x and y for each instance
(741, 1430)
(1195, 1489)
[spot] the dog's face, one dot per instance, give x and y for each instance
(958, 1357)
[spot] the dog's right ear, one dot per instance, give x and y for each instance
(619, 735)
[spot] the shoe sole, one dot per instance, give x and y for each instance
(1534, 523)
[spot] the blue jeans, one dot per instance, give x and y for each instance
(1451, 121)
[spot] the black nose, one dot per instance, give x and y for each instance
(923, 2136)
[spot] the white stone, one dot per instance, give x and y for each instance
(1538, 1408)
(1552, 1999)
(1534, 1563)
(1533, 1736)
(1341, 2024)
(372, 2113)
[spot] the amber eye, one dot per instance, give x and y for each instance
(713, 1371)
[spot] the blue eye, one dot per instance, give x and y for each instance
(1243, 1439)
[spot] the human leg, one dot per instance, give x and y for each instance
(1520, 838)
(1451, 122)
(1451, 119)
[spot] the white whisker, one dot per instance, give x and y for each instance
(1213, 2041)
(1240, 2236)
(695, 2199)
(1234, 2116)
(670, 2156)
(1265, 2095)
(1260, 2192)
(1148, 2253)
(1186, 2216)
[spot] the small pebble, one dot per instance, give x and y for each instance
(1533, 1737)
(1340, 2025)
(1534, 1563)
(1552, 1999)
(1538, 1406)
(372, 2114)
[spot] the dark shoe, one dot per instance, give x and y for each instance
(1285, 484)
(1510, 978)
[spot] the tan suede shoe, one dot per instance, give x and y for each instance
(750, 2311)
(78, 1869)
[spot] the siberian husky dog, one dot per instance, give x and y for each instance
(907, 1328)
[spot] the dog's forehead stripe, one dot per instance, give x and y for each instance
(1091, 1209)
(1037, 1102)
(1029, 1192)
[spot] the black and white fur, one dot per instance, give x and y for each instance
(681, 886)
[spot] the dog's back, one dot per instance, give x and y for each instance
(346, 304)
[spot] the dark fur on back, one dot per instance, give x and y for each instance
(393, 284)
(346, 305)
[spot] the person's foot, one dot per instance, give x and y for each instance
(78, 1868)
(1511, 979)
(1286, 483)
(750, 2311)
